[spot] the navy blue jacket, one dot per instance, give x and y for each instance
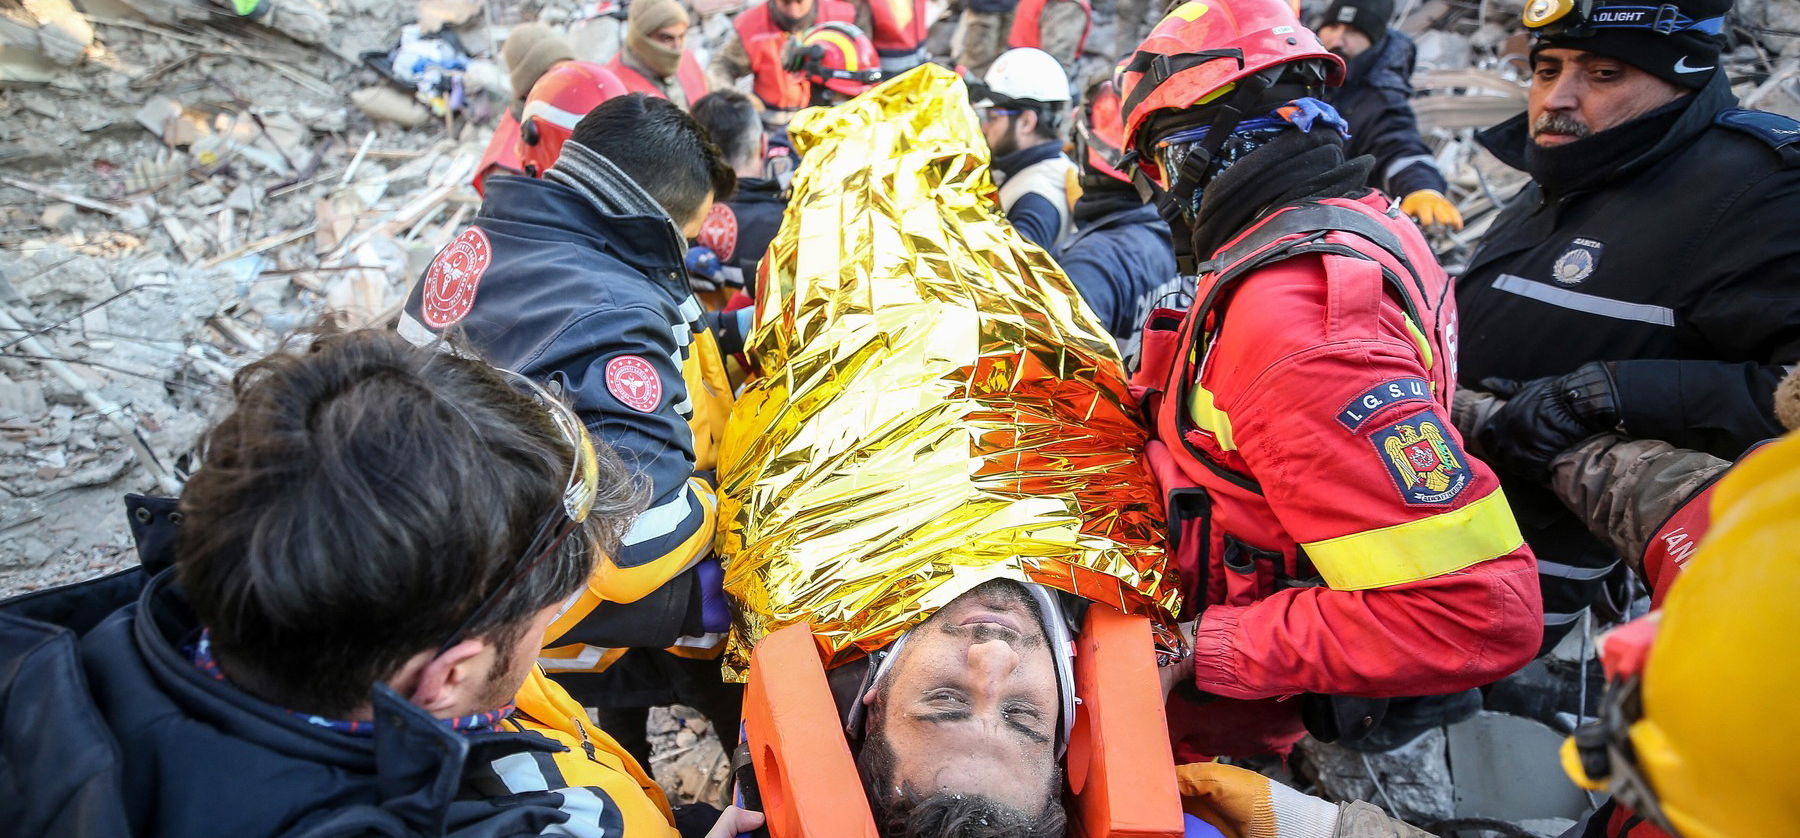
(740, 229)
(1118, 258)
(108, 729)
(1376, 101)
(602, 303)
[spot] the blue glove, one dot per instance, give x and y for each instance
(1192, 827)
(715, 611)
(705, 271)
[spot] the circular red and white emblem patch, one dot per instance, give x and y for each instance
(451, 280)
(719, 231)
(633, 381)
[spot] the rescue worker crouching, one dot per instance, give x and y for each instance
(656, 60)
(1376, 100)
(1023, 103)
(1695, 697)
(761, 35)
(579, 277)
(1339, 540)
(333, 629)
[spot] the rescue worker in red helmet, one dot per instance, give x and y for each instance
(559, 100)
(763, 32)
(1120, 256)
(529, 52)
(1339, 545)
(837, 60)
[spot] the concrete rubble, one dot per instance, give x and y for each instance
(181, 189)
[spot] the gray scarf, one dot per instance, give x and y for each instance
(613, 192)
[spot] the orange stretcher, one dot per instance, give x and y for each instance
(1120, 768)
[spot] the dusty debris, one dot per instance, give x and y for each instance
(156, 214)
(184, 188)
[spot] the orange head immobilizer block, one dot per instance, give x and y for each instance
(1121, 771)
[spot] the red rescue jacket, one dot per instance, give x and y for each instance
(1332, 533)
(899, 31)
(689, 75)
(1026, 33)
(764, 42)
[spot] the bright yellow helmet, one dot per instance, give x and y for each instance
(1712, 726)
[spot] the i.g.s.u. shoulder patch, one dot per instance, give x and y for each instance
(1381, 396)
(1423, 458)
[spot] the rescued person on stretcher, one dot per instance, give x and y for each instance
(934, 491)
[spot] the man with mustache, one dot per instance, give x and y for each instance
(1644, 281)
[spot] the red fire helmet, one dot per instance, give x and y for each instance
(1100, 130)
(836, 55)
(560, 99)
(1200, 52)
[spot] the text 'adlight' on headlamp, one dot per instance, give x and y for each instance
(1581, 18)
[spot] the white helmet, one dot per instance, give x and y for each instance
(1027, 75)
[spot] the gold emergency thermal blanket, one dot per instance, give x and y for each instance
(937, 407)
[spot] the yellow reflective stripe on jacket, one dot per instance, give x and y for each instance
(1420, 549)
(1208, 417)
(1418, 337)
(593, 759)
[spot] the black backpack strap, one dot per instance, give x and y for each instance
(1310, 221)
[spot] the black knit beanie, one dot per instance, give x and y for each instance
(1684, 57)
(1367, 16)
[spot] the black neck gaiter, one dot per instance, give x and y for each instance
(1294, 166)
(1595, 159)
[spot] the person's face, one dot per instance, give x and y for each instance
(1345, 40)
(673, 36)
(971, 705)
(1576, 94)
(510, 669)
(691, 228)
(793, 9)
(1004, 129)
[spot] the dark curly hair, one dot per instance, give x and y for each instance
(359, 500)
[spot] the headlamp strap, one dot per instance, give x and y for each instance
(1666, 19)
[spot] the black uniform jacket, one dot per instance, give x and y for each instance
(108, 729)
(1682, 266)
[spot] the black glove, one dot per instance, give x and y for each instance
(1545, 417)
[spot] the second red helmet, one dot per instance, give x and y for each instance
(560, 99)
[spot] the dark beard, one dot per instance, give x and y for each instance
(1008, 144)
